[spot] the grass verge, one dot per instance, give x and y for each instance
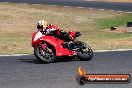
(18, 22)
(115, 21)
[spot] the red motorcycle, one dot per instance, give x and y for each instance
(48, 47)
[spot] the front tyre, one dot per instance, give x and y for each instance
(44, 55)
(86, 53)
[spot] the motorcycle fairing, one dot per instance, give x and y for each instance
(57, 43)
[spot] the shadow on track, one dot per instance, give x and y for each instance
(35, 61)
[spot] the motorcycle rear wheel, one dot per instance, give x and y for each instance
(45, 56)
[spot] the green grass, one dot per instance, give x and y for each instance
(115, 21)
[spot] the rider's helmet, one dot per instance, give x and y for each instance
(41, 25)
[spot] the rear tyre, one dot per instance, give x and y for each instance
(86, 53)
(45, 56)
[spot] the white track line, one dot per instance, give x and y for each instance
(113, 50)
(102, 9)
(15, 55)
(80, 7)
(95, 8)
(128, 12)
(94, 51)
(66, 6)
(91, 8)
(111, 10)
(119, 11)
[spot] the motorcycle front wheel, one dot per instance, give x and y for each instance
(44, 55)
(85, 53)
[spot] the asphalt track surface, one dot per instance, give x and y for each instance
(116, 6)
(27, 72)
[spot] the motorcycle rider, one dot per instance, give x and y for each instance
(44, 28)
